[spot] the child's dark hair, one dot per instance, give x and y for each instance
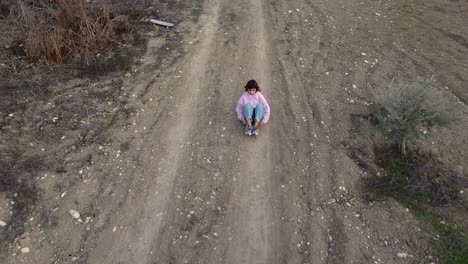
(252, 84)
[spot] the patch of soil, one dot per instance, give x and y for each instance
(49, 111)
(56, 120)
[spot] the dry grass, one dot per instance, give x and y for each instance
(45, 44)
(57, 29)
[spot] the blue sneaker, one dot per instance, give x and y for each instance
(255, 131)
(248, 130)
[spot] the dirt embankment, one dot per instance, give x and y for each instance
(176, 181)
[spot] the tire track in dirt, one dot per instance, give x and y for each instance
(201, 222)
(202, 186)
(252, 217)
(143, 218)
(313, 120)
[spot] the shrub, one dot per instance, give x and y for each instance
(400, 113)
(417, 175)
(57, 29)
(48, 44)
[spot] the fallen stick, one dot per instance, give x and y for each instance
(208, 168)
(161, 23)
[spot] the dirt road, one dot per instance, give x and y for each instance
(212, 195)
(191, 188)
(209, 193)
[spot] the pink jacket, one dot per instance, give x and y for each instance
(254, 99)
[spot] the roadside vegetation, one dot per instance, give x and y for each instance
(53, 101)
(412, 175)
(399, 114)
(57, 30)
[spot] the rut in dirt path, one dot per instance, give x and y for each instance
(143, 212)
(210, 193)
(225, 211)
(253, 219)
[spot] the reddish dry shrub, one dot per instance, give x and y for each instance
(43, 43)
(72, 30)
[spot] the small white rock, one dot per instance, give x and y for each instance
(402, 255)
(2, 224)
(25, 250)
(75, 214)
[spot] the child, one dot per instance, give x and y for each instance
(252, 108)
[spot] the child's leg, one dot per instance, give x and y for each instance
(248, 113)
(258, 114)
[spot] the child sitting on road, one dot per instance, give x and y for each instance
(252, 108)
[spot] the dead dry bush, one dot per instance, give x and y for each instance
(45, 44)
(418, 175)
(56, 30)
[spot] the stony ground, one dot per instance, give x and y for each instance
(174, 180)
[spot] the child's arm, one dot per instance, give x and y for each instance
(239, 110)
(266, 108)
